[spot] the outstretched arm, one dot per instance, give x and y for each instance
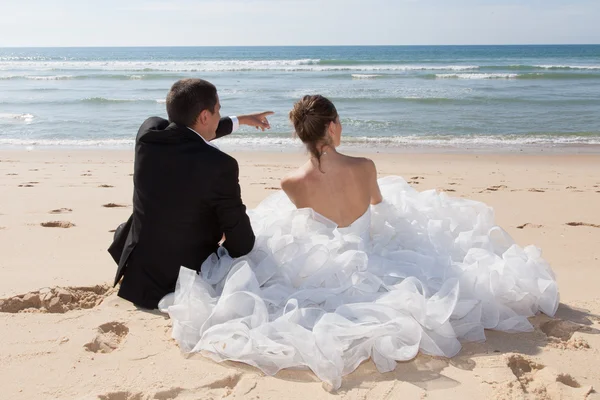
(229, 125)
(231, 212)
(258, 120)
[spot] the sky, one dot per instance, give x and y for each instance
(40, 23)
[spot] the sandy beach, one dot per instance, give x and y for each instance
(66, 335)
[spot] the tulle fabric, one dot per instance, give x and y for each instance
(422, 271)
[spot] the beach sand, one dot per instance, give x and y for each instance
(57, 210)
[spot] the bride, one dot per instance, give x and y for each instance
(347, 267)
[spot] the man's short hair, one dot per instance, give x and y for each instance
(188, 98)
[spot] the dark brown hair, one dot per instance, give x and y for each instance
(188, 98)
(311, 117)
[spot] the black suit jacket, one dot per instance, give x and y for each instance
(186, 195)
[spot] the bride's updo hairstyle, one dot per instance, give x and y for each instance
(311, 117)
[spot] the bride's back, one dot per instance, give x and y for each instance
(337, 186)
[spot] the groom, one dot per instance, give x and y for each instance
(186, 195)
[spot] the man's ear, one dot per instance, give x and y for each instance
(202, 117)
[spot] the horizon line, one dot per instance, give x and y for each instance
(310, 45)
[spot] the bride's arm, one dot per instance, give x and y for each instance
(376, 197)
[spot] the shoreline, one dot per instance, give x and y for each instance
(255, 147)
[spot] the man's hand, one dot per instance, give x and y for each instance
(259, 120)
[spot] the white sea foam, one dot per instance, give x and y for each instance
(50, 77)
(222, 65)
(67, 142)
(289, 143)
(365, 76)
(477, 76)
(479, 140)
(584, 67)
(27, 118)
(38, 77)
(161, 101)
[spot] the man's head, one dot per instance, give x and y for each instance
(194, 103)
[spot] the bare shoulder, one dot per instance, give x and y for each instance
(365, 164)
(290, 182)
(360, 161)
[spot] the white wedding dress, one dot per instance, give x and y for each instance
(421, 271)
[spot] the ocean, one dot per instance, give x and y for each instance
(497, 97)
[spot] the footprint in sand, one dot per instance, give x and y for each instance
(417, 177)
(63, 210)
(529, 225)
(521, 367)
(109, 338)
(28, 184)
(229, 381)
(56, 300)
(495, 188)
(105, 186)
(271, 188)
(12, 174)
(536, 190)
(113, 205)
(583, 224)
(123, 396)
(560, 334)
(57, 224)
(536, 379)
(170, 394)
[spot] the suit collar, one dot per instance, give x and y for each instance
(202, 137)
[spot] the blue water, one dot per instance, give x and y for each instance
(387, 96)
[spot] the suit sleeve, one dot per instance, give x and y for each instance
(231, 212)
(225, 127)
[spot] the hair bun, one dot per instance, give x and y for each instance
(311, 117)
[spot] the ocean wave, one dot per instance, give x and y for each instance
(567, 67)
(174, 66)
(104, 100)
(365, 76)
(255, 142)
(221, 65)
(482, 141)
(38, 77)
(68, 142)
(85, 101)
(399, 99)
(126, 76)
(477, 76)
(535, 75)
(27, 118)
(50, 78)
(534, 67)
(477, 140)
